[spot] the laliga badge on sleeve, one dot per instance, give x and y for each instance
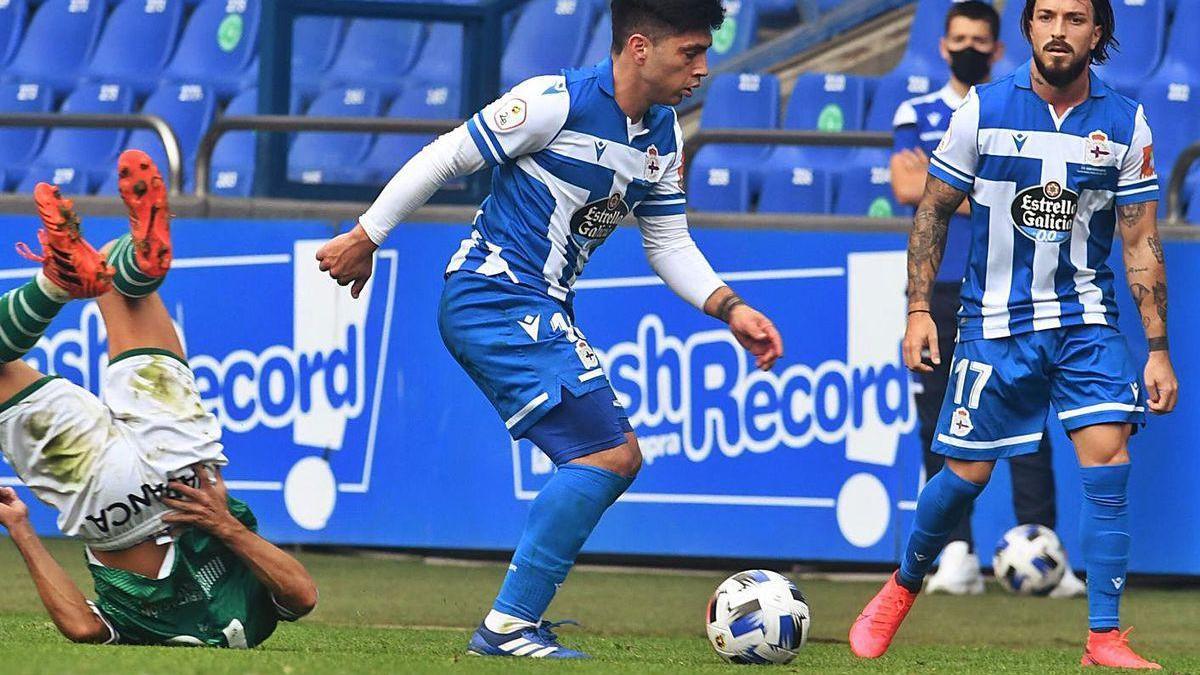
(511, 114)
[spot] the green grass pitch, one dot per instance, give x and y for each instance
(389, 615)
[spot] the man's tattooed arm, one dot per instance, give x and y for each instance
(927, 240)
(1145, 269)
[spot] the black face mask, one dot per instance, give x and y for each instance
(970, 66)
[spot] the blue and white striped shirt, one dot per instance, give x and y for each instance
(1043, 191)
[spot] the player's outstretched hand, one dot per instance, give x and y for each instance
(921, 336)
(13, 511)
(757, 334)
(205, 507)
(1162, 389)
(348, 258)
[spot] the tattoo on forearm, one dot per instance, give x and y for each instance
(1130, 214)
(927, 240)
(1157, 344)
(1136, 270)
(1160, 300)
(1156, 247)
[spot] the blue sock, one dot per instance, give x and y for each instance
(560, 520)
(1104, 535)
(941, 505)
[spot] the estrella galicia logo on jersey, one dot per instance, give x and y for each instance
(596, 220)
(1045, 212)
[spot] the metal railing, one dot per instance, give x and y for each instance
(1178, 178)
(287, 123)
(136, 121)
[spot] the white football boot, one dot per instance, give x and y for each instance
(958, 572)
(1070, 587)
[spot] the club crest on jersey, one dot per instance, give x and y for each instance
(960, 423)
(1045, 212)
(654, 165)
(1097, 150)
(511, 114)
(596, 220)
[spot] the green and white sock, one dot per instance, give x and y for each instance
(129, 279)
(25, 313)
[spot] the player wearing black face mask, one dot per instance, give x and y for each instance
(970, 47)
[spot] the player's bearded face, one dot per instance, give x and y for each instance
(1063, 33)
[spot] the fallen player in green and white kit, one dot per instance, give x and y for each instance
(136, 475)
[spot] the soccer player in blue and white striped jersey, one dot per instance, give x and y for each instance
(1054, 162)
(571, 156)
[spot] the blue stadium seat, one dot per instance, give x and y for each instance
(315, 41)
(1141, 28)
(912, 79)
(188, 109)
(1182, 44)
(79, 159)
(544, 39)
(136, 43)
(217, 45)
(827, 102)
(1192, 198)
(599, 46)
(391, 151)
(1016, 49)
(739, 101)
(57, 43)
(19, 145)
(12, 25)
(324, 157)
(376, 54)
(439, 63)
(736, 35)
(718, 189)
(778, 12)
(798, 189)
(232, 173)
(865, 188)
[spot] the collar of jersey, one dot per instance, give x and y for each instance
(1022, 79)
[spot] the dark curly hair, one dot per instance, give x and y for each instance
(1104, 18)
(661, 18)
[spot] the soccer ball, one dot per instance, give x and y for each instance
(757, 616)
(1029, 560)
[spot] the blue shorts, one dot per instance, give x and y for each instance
(1000, 390)
(523, 351)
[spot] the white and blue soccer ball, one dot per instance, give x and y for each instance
(758, 617)
(1029, 560)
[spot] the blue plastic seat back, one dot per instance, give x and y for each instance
(315, 155)
(719, 189)
(440, 62)
(391, 151)
(12, 27)
(217, 45)
(546, 39)
(315, 42)
(57, 42)
(377, 53)
(80, 159)
(136, 43)
(599, 46)
(739, 101)
(827, 102)
(737, 34)
(796, 189)
(865, 188)
(189, 109)
(232, 173)
(898, 86)
(1141, 28)
(19, 145)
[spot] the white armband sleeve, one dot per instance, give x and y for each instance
(451, 156)
(677, 260)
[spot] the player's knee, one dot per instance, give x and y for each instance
(978, 473)
(632, 457)
(624, 460)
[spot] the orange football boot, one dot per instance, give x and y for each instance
(144, 193)
(1111, 649)
(67, 259)
(873, 630)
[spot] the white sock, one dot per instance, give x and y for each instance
(52, 290)
(499, 622)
